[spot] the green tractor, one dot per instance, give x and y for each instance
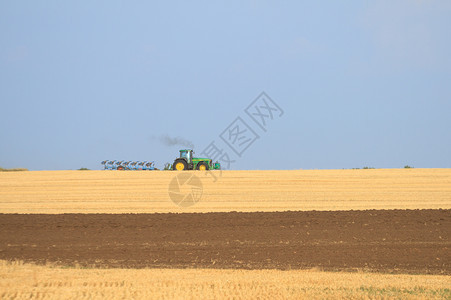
(186, 161)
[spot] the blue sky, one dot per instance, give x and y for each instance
(361, 83)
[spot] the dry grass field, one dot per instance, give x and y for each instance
(312, 239)
(25, 281)
(147, 191)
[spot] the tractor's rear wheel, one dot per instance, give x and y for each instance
(180, 165)
(202, 166)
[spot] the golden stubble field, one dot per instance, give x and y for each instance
(25, 281)
(147, 191)
(56, 192)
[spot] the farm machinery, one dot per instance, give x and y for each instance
(186, 161)
(128, 165)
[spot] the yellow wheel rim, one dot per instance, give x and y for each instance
(202, 167)
(180, 166)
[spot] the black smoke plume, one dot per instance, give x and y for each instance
(174, 141)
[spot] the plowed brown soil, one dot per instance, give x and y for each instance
(402, 241)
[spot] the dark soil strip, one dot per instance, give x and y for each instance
(395, 241)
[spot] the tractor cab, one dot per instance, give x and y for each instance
(187, 154)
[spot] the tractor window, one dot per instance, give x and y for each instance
(183, 154)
